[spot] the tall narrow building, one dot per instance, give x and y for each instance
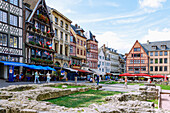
(11, 34)
(38, 34)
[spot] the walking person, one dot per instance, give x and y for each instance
(36, 77)
(48, 77)
(126, 82)
(97, 79)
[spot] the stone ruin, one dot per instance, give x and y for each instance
(27, 99)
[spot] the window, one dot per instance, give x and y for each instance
(136, 49)
(160, 53)
(131, 61)
(84, 43)
(81, 43)
(102, 70)
(3, 16)
(151, 61)
(56, 20)
(77, 51)
(160, 68)
(3, 39)
(13, 20)
(71, 38)
(77, 41)
(165, 53)
(160, 61)
(15, 2)
(13, 41)
(103, 63)
(42, 28)
(156, 53)
(56, 32)
(130, 68)
(38, 12)
(100, 57)
(81, 52)
(151, 68)
(66, 37)
(151, 53)
(131, 55)
(103, 57)
(143, 68)
(156, 68)
(142, 61)
(136, 55)
(156, 61)
(61, 23)
(66, 25)
(141, 55)
(84, 53)
(71, 49)
(32, 52)
(165, 68)
(165, 60)
(136, 61)
(61, 35)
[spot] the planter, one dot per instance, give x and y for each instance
(34, 29)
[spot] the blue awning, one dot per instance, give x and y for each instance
(34, 67)
(49, 68)
(13, 63)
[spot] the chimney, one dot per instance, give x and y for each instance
(76, 25)
(104, 47)
(148, 42)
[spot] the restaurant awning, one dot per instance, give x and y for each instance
(13, 63)
(97, 72)
(126, 74)
(49, 68)
(72, 70)
(83, 71)
(158, 76)
(142, 74)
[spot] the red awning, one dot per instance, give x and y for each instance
(142, 74)
(83, 71)
(158, 76)
(126, 74)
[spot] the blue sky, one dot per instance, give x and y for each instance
(119, 23)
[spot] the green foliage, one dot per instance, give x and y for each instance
(32, 42)
(82, 99)
(41, 60)
(165, 87)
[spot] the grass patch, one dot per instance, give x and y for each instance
(155, 102)
(110, 82)
(135, 84)
(165, 87)
(68, 86)
(82, 99)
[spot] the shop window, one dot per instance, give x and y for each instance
(3, 39)
(13, 41)
(13, 20)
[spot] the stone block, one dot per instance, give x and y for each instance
(28, 111)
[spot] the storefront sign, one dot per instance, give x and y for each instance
(10, 51)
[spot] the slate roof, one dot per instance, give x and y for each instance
(91, 36)
(77, 30)
(149, 47)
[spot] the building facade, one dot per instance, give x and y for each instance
(79, 49)
(121, 63)
(101, 61)
(11, 34)
(137, 59)
(92, 50)
(61, 42)
(159, 57)
(38, 34)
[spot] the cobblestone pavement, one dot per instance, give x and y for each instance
(165, 100)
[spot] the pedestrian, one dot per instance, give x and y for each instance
(97, 79)
(20, 76)
(48, 77)
(126, 82)
(149, 80)
(36, 77)
(91, 79)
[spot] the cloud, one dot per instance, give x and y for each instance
(156, 35)
(151, 5)
(112, 4)
(114, 41)
(127, 21)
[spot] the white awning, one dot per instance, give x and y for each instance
(70, 69)
(115, 73)
(97, 72)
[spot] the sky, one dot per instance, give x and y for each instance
(119, 23)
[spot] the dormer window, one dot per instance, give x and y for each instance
(154, 47)
(136, 49)
(163, 47)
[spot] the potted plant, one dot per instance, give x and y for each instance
(44, 33)
(38, 30)
(34, 29)
(32, 42)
